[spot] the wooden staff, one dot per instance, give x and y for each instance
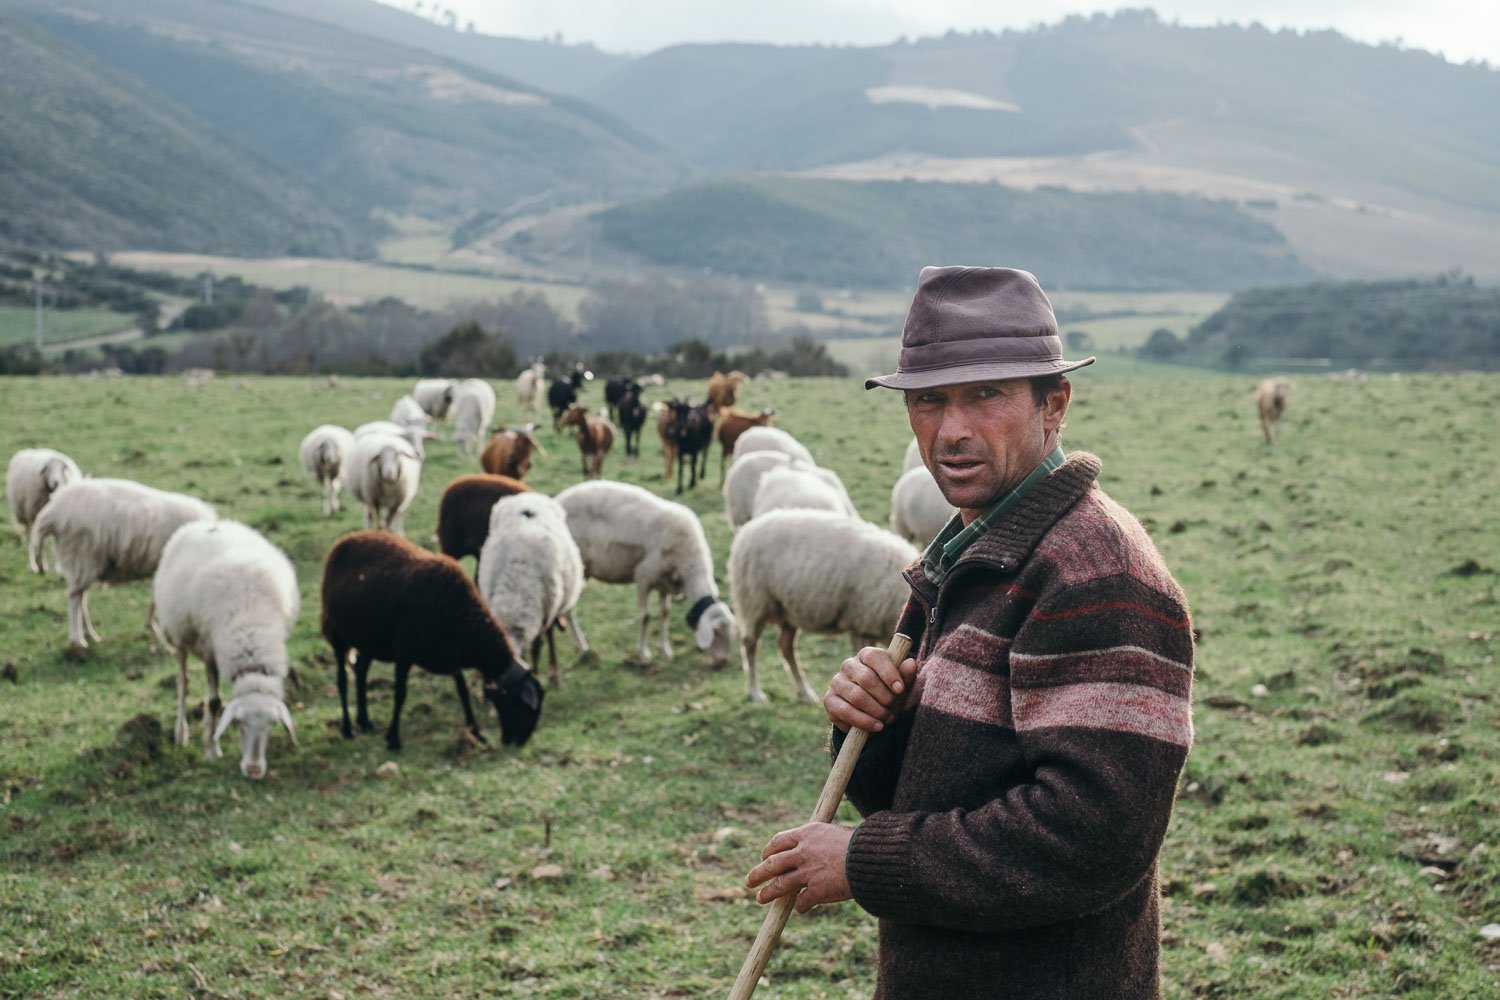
(828, 804)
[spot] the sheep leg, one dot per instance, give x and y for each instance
(748, 646)
(398, 523)
(340, 669)
(334, 486)
(211, 708)
(31, 563)
(361, 677)
(787, 644)
(180, 731)
(552, 673)
(88, 623)
(77, 638)
(643, 613)
(575, 628)
(393, 734)
(462, 687)
(666, 626)
(367, 517)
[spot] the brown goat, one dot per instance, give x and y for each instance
(722, 388)
(1270, 400)
(509, 451)
(596, 435)
(666, 429)
(732, 424)
(464, 512)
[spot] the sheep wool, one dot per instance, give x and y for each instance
(817, 571)
(795, 486)
(322, 455)
(918, 508)
(34, 474)
(226, 595)
(530, 570)
(434, 396)
(384, 473)
(473, 411)
(771, 439)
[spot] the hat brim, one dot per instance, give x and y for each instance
(978, 372)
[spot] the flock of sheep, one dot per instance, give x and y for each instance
(801, 558)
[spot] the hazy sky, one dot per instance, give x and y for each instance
(1460, 29)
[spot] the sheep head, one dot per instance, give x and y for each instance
(256, 714)
(516, 696)
(713, 628)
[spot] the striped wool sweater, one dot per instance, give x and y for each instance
(1014, 813)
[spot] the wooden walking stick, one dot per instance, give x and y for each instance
(828, 804)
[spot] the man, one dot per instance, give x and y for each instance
(1016, 788)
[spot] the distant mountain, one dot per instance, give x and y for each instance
(90, 158)
(367, 124)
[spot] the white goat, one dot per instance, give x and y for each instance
(530, 571)
(918, 508)
(109, 530)
(819, 571)
(383, 474)
(434, 395)
(771, 439)
(473, 411)
(531, 386)
(629, 535)
(229, 597)
(34, 474)
(323, 454)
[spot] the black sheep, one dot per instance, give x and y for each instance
(563, 393)
(693, 431)
(632, 418)
(391, 600)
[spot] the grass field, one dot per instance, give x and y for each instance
(18, 324)
(1337, 832)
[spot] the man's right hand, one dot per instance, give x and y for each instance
(869, 690)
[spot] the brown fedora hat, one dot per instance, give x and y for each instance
(977, 324)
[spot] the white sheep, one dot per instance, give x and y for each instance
(323, 454)
(819, 571)
(417, 437)
(473, 410)
(229, 597)
(383, 474)
(531, 386)
(434, 395)
(918, 508)
(797, 485)
(111, 531)
(629, 535)
(745, 474)
(407, 412)
(771, 439)
(530, 571)
(913, 457)
(33, 476)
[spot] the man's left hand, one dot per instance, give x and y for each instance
(807, 863)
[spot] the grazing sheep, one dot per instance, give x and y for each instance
(692, 431)
(1270, 401)
(632, 418)
(464, 512)
(111, 531)
(323, 454)
(772, 439)
(596, 435)
(509, 451)
(407, 412)
(666, 430)
(629, 535)
(819, 571)
(473, 410)
(733, 423)
(34, 474)
(723, 388)
(797, 485)
(434, 396)
(563, 393)
(390, 600)
(229, 597)
(529, 386)
(531, 572)
(913, 456)
(417, 437)
(384, 472)
(743, 480)
(918, 508)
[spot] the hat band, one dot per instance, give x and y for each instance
(993, 351)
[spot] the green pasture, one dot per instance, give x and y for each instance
(18, 324)
(1337, 832)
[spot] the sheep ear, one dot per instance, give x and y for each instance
(285, 716)
(231, 712)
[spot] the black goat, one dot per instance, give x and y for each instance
(693, 432)
(563, 393)
(632, 418)
(614, 391)
(388, 599)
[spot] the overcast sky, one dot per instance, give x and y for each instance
(1460, 29)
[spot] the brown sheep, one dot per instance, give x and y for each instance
(732, 424)
(509, 451)
(596, 435)
(1270, 400)
(722, 388)
(464, 512)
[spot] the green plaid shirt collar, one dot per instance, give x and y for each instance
(956, 536)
